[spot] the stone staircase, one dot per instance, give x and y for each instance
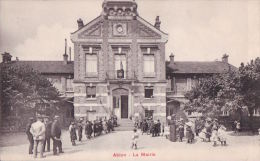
(124, 125)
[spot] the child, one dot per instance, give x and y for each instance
(134, 139)
(222, 135)
(181, 132)
(214, 136)
(73, 135)
(202, 134)
(162, 129)
(167, 132)
(189, 133)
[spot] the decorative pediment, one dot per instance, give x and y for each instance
(145, 31)
(91, 31)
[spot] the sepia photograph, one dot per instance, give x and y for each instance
(123, 80)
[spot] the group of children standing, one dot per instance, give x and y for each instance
(207, 131)
(213, 131)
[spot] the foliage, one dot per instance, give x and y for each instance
(213, 94)
(25, 90)
(249, 88)
(231, 91)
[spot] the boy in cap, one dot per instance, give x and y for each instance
(134, 139)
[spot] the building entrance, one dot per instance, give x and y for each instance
(120, 103)
(124, 107)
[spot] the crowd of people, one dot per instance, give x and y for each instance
(206, 130)
(92, 128)
(41, 131)
(149, 126)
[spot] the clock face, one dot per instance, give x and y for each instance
(119, 28)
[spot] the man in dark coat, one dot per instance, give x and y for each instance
(47, 134)
(29, 135)
(158, 128)
(56, 134)
(80, 129)
(88, 129)
(73, 135)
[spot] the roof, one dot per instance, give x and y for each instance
(193, 67)
(48, 67)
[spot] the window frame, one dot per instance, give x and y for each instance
(148, 88)
(91, 74)
(151, 74)
(116, 70)
(91, 96)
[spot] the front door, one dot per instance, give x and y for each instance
(124, 106)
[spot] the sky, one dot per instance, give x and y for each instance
(199, 30)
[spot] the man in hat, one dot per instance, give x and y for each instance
(29, 135)
(56, 134)
(80, 128)
(38, 132)
(73, 135)
(47, 140)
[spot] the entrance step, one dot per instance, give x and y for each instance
(125, 125)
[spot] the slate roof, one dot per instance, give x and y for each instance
(48, 67)
(180, 67)
(196, 67)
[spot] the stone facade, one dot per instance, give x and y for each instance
(119, 40)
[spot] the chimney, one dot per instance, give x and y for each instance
(225, 58)
(6, 57)
(157, 23)
(80, 23)
(70, 53)
(171, 58)
(65, 56)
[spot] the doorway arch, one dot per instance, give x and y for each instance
(120, 102)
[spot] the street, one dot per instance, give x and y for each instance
(116, 146)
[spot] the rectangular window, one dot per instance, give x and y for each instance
(225, 113)
(69, 84)
(189, 84)
(91, 64)
(181, 85)
(256, 112)
(148, 92)
(148, 113)
(169, 84)
(149, 64)
(91, 92)
(120, 63)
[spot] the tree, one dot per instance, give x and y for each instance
(24, 89)
(234, 91)
(214, 94)
(249, 86)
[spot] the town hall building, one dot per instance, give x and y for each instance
(119, 64)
